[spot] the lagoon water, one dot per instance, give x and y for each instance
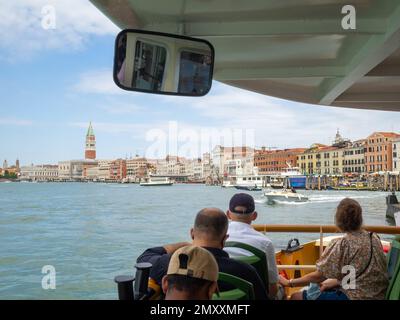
(91, 232)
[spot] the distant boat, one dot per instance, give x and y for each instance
(157, 181)
(284, 196)
(248, 188)
(252, 180)
(227, 184)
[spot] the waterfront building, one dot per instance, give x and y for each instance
(353, 157)
(45, 172)
(379, 151)
(74, 170)
(307, 161)
(92, 173)
(117, 170)
(320, 159)
(274, 162)
(220, 155)
(206, 165)
(90, 145)
(194, 169)
(396, 155)
(136, 168)
(103, 170)
(10, 170)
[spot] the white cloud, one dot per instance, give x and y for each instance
(99, 82)
(283, 123)
(15, 122)
(22, 34)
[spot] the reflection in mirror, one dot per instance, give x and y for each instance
(160, 63)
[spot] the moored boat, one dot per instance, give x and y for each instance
(157, 181)
(248, 188)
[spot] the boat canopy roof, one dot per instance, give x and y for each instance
(293, 49)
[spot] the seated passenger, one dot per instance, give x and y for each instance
(241, 213)
(210, 232)
(192, 275)
(357, 249)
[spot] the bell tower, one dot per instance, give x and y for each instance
(90, 146)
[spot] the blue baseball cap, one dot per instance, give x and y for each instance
(242, 200)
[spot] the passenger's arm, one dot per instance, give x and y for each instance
(329, 284)
(171, 248)
(315, 277)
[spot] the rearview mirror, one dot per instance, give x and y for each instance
(156, 62)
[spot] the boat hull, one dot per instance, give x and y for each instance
(248, 188)
(274, 197)
(156, 184)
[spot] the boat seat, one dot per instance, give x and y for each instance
(243, 289)
(393, 291)
(258, 260)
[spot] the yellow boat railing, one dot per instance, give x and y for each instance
(315, 228)
(321, 229)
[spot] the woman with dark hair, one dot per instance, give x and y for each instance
(351, 267)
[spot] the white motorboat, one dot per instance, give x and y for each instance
(284, 196)
(157, 181)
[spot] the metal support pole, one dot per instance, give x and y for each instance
(125, 287)
(142, 278)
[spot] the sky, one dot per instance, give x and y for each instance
(54, 81)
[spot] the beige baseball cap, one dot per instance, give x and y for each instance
(194, 262)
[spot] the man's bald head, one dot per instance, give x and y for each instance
(211, 223)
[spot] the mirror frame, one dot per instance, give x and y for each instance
(170, 35)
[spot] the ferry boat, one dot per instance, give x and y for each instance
(157, 181)
(256, 44)
(294, 261)
(253, 181)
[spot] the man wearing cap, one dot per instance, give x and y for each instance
(209, 232)
(242, 213)
(192, 275)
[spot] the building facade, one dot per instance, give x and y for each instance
(39, 173)
(221, 155)
(354, 158)
(320, 159)
(117, 170)
(74, 170)
(273, 162)
(379, 151)
(136, 168)
(396, 155)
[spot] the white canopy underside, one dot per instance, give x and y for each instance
(291, 49)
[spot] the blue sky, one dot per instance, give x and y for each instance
(53, 82)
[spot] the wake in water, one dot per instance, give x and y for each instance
(324, 198)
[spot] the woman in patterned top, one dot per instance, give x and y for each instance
(351, 267)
